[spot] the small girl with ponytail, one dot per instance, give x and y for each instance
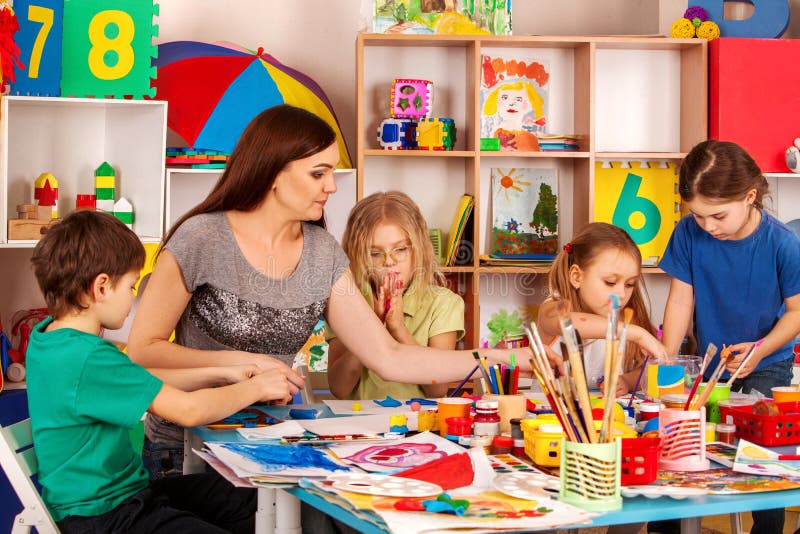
(601, 260)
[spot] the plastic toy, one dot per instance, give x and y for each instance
(46, 192)
(86, 202)
(105, 183)
(695, 23)
(793, 156)
(397, 134)
(123, 210)
(411, 99)
(398, 423)
(436, 133)
(357, 407)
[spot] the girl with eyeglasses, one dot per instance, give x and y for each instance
(394, 267)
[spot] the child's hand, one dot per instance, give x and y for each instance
(394, 315)
(236, 373)
(275, 386)
(381, 298)
(268, 363)
(738, 353)
(647, 342)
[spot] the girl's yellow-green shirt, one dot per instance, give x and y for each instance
(425, 314)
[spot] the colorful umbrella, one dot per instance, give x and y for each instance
(214, 90)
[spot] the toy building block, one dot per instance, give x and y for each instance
(28, 229)
(86, 202)
(105, 183)
(411, 99)
(33, 211)
(45, 190)
(436, 134)
(397, 134)
(123, 210)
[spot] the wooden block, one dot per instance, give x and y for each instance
(764, 124)
(28, 229)
(44, 212)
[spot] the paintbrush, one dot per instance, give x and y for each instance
(607, 429)
(749, 355)
(711, 350)
(712, 381)
(578, 374)
(638, 380)
(461, 384)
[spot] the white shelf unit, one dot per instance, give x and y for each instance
(70, 138)
(630, 98)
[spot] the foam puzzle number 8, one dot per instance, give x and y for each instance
(107, 48)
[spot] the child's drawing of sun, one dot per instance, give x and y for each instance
(509, 180)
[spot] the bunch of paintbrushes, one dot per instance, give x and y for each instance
(695, 401)
(614, 364)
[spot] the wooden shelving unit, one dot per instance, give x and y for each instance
(626, 98)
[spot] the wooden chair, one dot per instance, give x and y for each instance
(18, 460)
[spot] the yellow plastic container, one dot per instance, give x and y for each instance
(543, 446)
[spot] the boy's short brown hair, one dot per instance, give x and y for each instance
(77, 249)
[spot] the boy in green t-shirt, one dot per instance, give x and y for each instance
(84, 395)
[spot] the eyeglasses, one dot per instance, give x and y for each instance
(398, 255)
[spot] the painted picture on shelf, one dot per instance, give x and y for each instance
(514, 96)
(524, 211)
(439, 16)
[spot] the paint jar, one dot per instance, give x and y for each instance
(648, 410)
(518, 449)
(675, 400)
(482, 441)
(457, 426)
(711, 432)
(502, 445)
(487, 420)
(452, 407)
(726, 433)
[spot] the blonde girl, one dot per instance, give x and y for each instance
(394, 267)
(601, 260)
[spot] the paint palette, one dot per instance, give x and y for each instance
(526, 485)
(653, 492)
(384, 485)
(506, 463)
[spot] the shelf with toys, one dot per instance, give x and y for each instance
(602, 102)
(71, 139)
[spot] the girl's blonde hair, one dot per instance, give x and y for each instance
(390, 207)
(582, 251)
(536, 100)
(721, 170)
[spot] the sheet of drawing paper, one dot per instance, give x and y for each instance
(277, 431)
(223, 470)
(757, 460)
(345, 407)
(487, 508)
(398, 454)
(361, 424)
(254, 459)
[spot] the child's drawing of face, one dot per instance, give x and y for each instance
(513, 104)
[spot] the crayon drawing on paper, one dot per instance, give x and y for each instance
(514, 97)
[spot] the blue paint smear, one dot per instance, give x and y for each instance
(272, 458)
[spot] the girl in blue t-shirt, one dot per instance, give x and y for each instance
(734, 267)
(736, 270)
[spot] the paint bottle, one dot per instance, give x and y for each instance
(726, 433)
(518, 449)
(487, 420)
(502, 445)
